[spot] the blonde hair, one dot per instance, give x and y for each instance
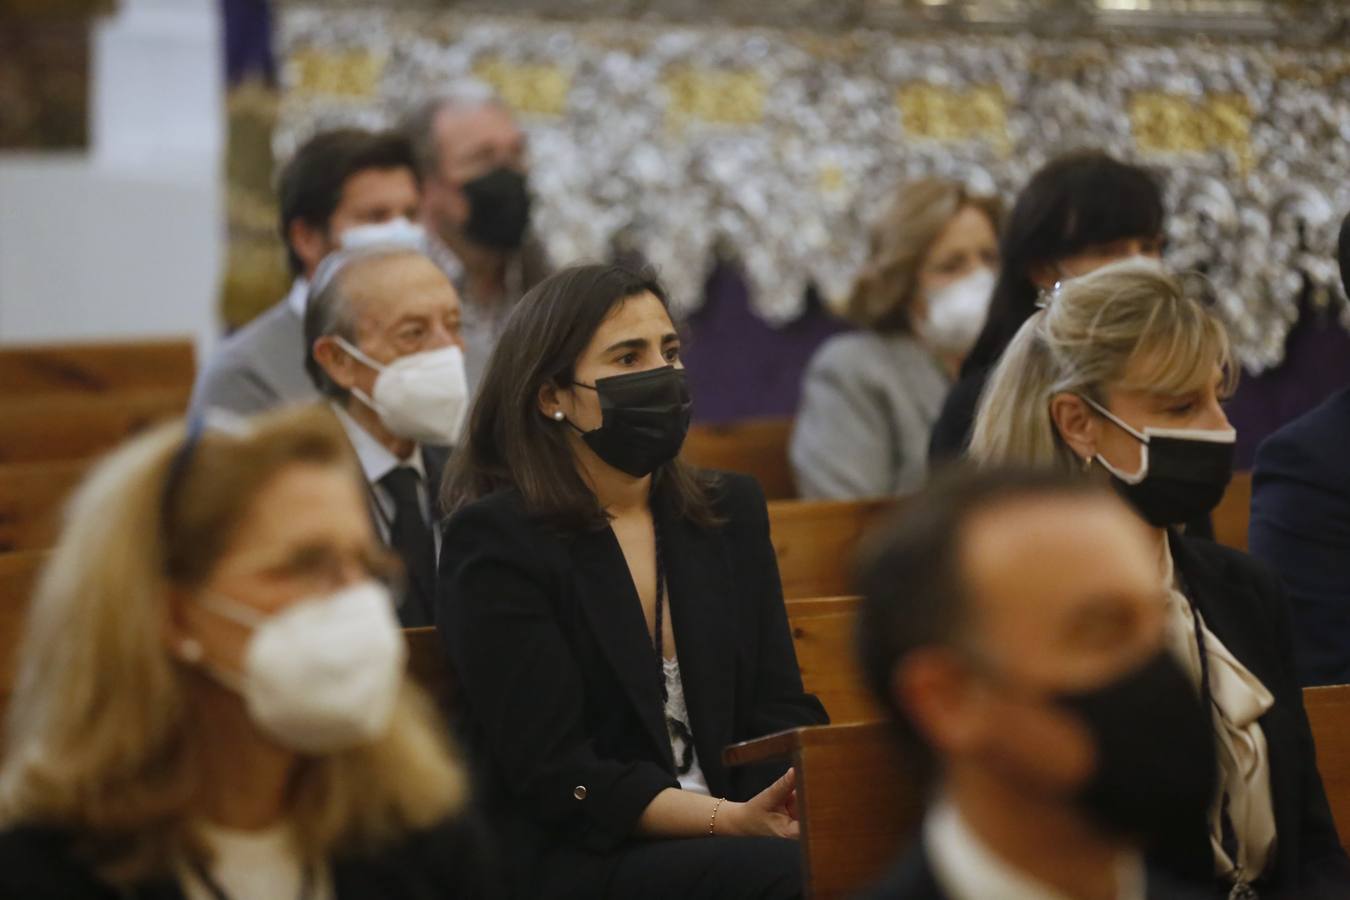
(1086, 339)
(884, 291)
(100, 738)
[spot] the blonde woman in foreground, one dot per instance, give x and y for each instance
(211, 701)
(1121, 378)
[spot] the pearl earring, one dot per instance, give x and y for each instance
(558, 415)
(1087, 464)
(190, 650)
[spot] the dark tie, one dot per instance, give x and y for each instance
(412, 540)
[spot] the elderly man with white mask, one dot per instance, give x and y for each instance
(382, 326)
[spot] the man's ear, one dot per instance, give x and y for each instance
(335, 361)
(1077, 425)
(311, 244)
(941, 699)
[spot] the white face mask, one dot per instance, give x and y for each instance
(394, 233)
(956, 313)
(423, 397)
(323, 674)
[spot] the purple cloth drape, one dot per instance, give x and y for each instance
(248, 41)
(741, 367)
(1316, 365)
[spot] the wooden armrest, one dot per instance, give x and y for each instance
(784, 745)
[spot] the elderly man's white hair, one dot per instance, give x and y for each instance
(328, 308)
(419, 125)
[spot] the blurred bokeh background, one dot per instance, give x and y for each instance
(740, 146)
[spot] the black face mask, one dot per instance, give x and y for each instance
(1156, 769)
(499, 209)
(645, 417)
(1184, 474)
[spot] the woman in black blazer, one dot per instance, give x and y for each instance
(1120, 377)
(615, 618)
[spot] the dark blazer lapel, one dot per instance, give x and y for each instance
(606, 592)
(701, 611)
(1225, 605)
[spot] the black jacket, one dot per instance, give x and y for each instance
(1301, 528)
(1244, 606)
(913, 879)
(561, 684)
(444, 863)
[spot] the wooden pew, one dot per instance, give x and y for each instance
(18, 576)
(28, 370)
(65, 428)
(857, 800)
(1329, 714)
(815, 541)
(31, 498)
(1233, 514)
(757, 447)
(823, 635)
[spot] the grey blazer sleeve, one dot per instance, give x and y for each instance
(843, 445)
(229, 382)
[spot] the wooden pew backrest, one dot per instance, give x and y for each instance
(857, 800)
(757, 447)
(823, 635)
(18, 576)
(815, 541)
(31, 498)
(67, 428)
(28, 370)
(1329, 714)
(1232, 515)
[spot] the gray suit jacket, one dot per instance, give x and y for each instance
(868, 404)
(259, 367)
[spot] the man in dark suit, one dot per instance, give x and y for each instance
(1300, 524)
(1012, 622)
(382, 332)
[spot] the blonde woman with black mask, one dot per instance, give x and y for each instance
(1121, 377)
(211, 700)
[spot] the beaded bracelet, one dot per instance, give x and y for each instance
(712, 820)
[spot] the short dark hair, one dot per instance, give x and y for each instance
(1343, 254)
(1073, 202)
(509, 443)
(909, 573)
(310, 185)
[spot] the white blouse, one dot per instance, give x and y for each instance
(254, 865)
(1239, 700)
(687, 768)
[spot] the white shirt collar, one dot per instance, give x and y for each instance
(298, 298)
(968, 870)
(376, 460)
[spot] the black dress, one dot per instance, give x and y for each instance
(562, 691)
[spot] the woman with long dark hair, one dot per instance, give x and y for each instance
(615, 618)
(1076, 214)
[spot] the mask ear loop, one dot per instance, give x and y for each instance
(1126, 477)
